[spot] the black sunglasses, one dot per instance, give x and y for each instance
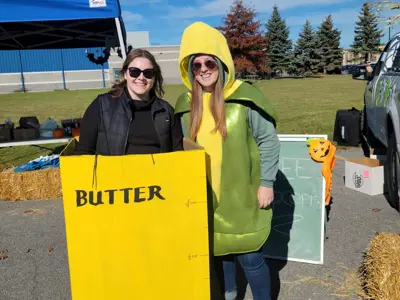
(210, 64)
(135, 72)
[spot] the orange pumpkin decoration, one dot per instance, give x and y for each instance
(58, 133)
(75, 132)
(319, 149)
(324, 151)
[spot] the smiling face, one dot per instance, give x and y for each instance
(139, 77)
(206, 72)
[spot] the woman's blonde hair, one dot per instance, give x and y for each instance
(217, 107)
(119, 85)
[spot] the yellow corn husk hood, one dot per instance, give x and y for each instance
(202, 38)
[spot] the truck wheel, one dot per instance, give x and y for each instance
(393, 172)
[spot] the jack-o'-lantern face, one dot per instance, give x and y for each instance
(319, 149)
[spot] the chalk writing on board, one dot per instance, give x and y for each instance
(298, 206)
(296, 219)
(302, 199)
(294, 168)
(137, 194)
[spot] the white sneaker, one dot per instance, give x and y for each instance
(230, 295)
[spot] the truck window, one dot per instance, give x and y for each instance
(396, 62)
(391, 52)
(379, 65)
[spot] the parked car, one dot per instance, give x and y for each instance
(381, 112)
(360, 70)
(348, 69)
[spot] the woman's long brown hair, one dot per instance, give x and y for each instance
(157, 90)
(217, 108)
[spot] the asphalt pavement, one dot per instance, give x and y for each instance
(35, 266)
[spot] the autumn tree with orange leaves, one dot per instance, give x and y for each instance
(245, 38)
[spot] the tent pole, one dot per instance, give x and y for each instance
(121, 40)
(102, 74)
(22, 71)
(63, 70)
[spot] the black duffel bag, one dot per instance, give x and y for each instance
(347, 131)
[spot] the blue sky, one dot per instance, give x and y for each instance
(166, 19)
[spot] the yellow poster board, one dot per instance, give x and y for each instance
(137, 225)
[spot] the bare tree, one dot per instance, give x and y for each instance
(387, 5)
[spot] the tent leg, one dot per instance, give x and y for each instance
(22, 71)
(121, 40)
(63, 70)
(102, 74)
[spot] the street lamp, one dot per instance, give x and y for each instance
(390, 26)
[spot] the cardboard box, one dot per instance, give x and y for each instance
(365, 175)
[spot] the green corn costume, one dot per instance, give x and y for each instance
(249, 156)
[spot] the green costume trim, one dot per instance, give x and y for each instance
(245, 92)
(240, 226)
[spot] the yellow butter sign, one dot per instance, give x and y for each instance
(137, 226)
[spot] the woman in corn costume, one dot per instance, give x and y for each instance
(234, 122)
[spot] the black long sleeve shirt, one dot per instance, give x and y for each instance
(142, 137)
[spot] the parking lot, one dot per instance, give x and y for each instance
(36, 266)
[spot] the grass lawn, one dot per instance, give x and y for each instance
(304, 106)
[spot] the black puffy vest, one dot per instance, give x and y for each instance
(115, 119)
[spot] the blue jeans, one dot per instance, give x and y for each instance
(256, 271)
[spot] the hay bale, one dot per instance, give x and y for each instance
(380, 271)
(30, 185)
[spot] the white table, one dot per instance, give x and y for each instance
(35, 142)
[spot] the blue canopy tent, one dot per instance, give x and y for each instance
(54, 24)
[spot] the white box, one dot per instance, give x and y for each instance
(365, 175)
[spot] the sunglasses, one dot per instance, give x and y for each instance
(135, 72)
(210, 64)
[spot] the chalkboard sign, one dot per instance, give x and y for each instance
(297, 229)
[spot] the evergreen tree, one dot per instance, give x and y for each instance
(307, 56)
(279, 46)
(367, 36)
(245, 39)
(328, 46)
